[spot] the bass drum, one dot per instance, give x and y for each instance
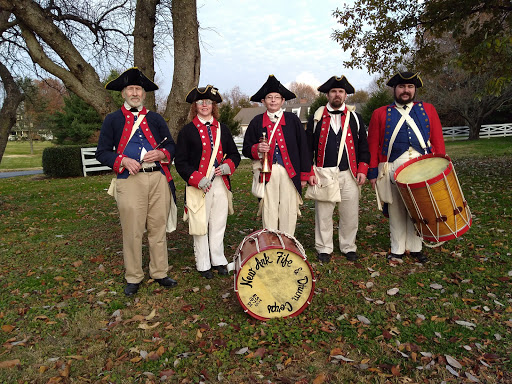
(272, 275)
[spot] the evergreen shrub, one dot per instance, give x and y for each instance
(62, 161)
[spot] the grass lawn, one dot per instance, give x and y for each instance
(64, 317)
(18, 155)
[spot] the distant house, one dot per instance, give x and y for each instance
(247, 114)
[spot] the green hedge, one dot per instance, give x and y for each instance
(62, 161)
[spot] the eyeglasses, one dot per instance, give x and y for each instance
(269, 98)
(204, 102)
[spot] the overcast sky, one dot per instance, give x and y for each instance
(244, 41)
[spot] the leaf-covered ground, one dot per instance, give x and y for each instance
(64, 317)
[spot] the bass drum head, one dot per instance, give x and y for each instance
(274, 282)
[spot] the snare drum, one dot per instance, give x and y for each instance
(432, 194)
(272, 275)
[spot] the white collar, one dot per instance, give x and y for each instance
(128, 107)
(330, 108)
(210, 120)
(276, 114)
(409, 105)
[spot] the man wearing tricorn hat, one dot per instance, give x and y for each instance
(337, 138)
(137, 145)
(287, 151)
(398, 133)
(206, 156)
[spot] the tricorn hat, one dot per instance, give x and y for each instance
(272, 85)
(405, 78)
(132, 76)
(337, 82)
(208, 92)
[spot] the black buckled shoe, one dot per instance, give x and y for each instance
(394, 256)
(324, 257)
(207, 274)
(351, 256)
(131, 289)
(420, 257)
(167, 282)
(222, 269)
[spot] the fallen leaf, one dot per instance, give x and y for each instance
(242, 351)
(472, 378)
(9, 363)
(436, 286)
(466, 324)
(341, 357)
(260, 352)
(454, 363)
(363, 319)
(151, 315)
(320, 379)
(452, 371)
(8, 328)
(392, 291)
(148, 326)
(395, 370)
(167, 373)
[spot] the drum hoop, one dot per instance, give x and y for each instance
(449, 168)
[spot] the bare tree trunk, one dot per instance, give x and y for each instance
(79, 76)
(13, 98)
(143, 43)
(187, 62)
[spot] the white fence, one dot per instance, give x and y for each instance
(486, 131)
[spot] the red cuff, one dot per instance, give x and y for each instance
(304, 176)
(231, 165)
(117, 164)
(362, 168)
(195, 178)
(167, 154)
(254, 152)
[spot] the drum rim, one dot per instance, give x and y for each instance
(449, 168)
(256, 316)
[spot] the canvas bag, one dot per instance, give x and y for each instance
(383, 183)
(327, 187)
(258, 188)
(196, 215)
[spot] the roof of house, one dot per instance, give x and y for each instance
(247, 114)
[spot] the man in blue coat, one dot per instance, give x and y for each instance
(138, 146)
(287, 152)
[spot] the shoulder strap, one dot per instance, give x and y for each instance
(413, 126)
(136, 125)
(343, 136)
(214, 151)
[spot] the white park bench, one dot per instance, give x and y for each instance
(89, 162)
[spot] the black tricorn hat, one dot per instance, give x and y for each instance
(208, 92)
(272, 85)
(406, 78)
(132, 76)
(336, 82)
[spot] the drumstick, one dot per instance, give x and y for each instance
(158, 146)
